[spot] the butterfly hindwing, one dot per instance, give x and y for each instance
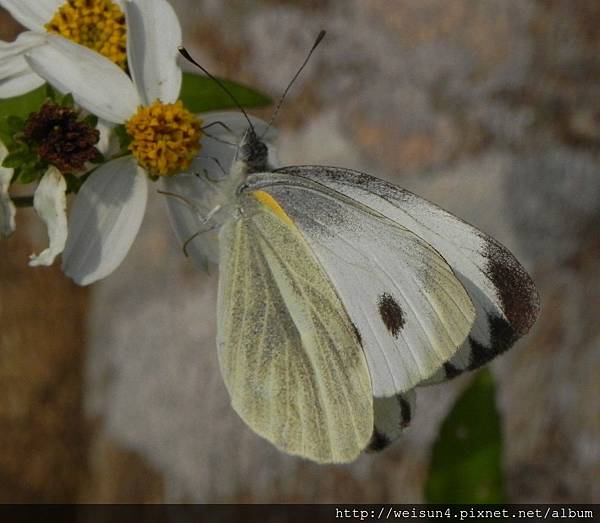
(410, 310)
(290, 356)
(392, 416)
(504, 296)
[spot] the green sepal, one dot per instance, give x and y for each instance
(200, 94)
(100, 158)
(123, 137)
(67, 100)
(52, 94)
(74, 183)
(90, 120)
(30, 172)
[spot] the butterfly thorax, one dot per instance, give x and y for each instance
(252, 157)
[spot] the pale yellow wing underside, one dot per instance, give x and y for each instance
(289, 354)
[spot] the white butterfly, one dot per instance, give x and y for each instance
(339, 293)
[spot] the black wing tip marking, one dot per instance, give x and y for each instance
(378, 441)
(516, 290)
(502, 336)
(391, 314)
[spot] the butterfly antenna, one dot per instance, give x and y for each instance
(183, 51)
(280, 103)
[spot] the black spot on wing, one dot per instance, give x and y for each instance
(405, 412)
(378, 441)
(515, 289)
(391, 314)
(502, 337)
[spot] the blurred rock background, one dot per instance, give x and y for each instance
(491, 108)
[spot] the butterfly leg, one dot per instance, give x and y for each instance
(226, 127)
(205, 171)
(201, 231)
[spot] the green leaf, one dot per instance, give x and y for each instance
(30, 172)
(9, 127)
(22, 106)
(14, 124)
(466, 462)
(200, 94)
(16, 159)
(123, 137)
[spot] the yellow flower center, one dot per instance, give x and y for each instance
(97, 24)
(165, 138)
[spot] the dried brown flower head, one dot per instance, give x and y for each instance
(60, 138)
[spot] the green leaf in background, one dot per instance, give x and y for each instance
(466, 462)
(21, 106)
(200, 94)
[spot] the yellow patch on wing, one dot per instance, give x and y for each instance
(267, 200)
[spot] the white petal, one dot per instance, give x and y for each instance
(23, 43)
(153, 36)
(108, 143)
(16, 77)
(105, 219)
(33, 14)
(97, 84)
(50, 203)
(19, 84)
(7, 208)
(11, 65)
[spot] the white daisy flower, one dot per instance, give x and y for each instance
(96, 24)
(109, 207)
(55, 137)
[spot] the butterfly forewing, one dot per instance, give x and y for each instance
(290, 356)
(504, 296)
(410, 310)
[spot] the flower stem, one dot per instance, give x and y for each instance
(22, 201)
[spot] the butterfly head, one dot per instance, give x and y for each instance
(253, 153)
